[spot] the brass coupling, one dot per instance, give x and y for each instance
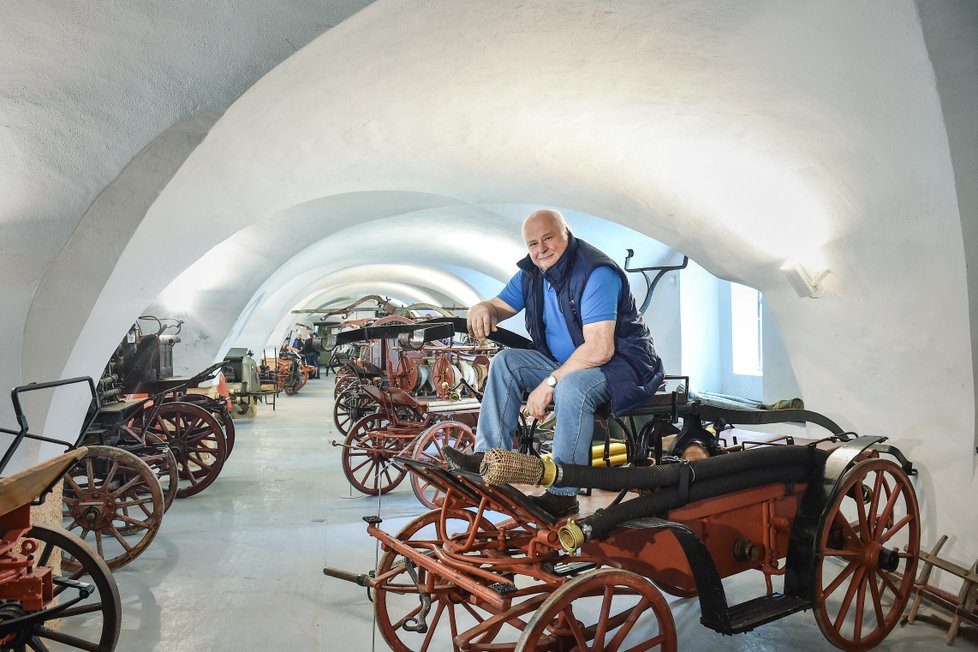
(572, 536)
(550, 470)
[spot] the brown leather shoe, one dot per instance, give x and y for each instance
(556, 506)
(457, 460)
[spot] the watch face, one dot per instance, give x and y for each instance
(551, 381)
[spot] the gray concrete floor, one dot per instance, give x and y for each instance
(239, 566)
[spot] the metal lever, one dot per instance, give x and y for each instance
(651, 283)
(418, 624)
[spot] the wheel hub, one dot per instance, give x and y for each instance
(10, 611)
(92, 509)
(888, 560)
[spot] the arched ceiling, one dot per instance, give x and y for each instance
(742, 135)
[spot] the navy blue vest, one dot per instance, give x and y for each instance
(634, 373)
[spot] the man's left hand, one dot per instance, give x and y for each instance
(539, 400)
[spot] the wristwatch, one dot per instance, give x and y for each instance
(551, 381)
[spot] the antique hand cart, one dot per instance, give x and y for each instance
(835, 521)
(392, 422)
(148, 441)
(55, 592)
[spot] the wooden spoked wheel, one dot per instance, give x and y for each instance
(351, 406)
(229, 433)
(367, 456)
(197, 441)
(443, 376)
(451, 612)
(868, 549)
(344, 380)
(92, 623)
(292, 381)
(428, 447)
(158, 456)
(219, 408)
(113, 502)
(407, 374)
(609, 609)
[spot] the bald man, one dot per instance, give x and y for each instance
(590, 346)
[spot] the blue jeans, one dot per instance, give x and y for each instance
(515, 371)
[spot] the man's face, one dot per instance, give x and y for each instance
(545, 240)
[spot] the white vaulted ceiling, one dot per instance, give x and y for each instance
(282, 159)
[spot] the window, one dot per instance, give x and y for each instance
(745, 330)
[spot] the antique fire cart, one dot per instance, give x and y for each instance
(834, 522)
(55, 592)
(388, 421)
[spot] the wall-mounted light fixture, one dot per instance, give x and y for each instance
(805, 283)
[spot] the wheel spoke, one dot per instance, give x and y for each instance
(860, 607)
(577, 629)
(67, 639)
(433, 625)
(98, 543)
(886, 515)
(604, 614)
(888, 583)
(840, 578)
(126, 487)
(861, 512)
(896, 528)
(134, 522)
(877, 599)
(874, 503)
(118, 537)
(110, 475)
(850, 594)
(82, 610)
(844, 554)
(72, 485)
(626, 627)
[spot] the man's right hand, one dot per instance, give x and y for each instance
(481, 320)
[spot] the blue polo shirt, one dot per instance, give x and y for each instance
(598, 303)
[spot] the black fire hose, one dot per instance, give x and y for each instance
(665, 475)
(600, 523)
(674, 485)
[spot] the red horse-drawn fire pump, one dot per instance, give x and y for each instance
(829, 525)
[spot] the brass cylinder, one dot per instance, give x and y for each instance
(746, 550)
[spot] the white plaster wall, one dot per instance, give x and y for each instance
(99, 103)
(740, 135)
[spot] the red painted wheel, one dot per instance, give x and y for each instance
(219, 408)
(443, 376)
(428, 447)
(197, 441)
(609, 609)
(407, 374)
(452, 612)
(869, 545)
(113, 502)
(367, 453)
